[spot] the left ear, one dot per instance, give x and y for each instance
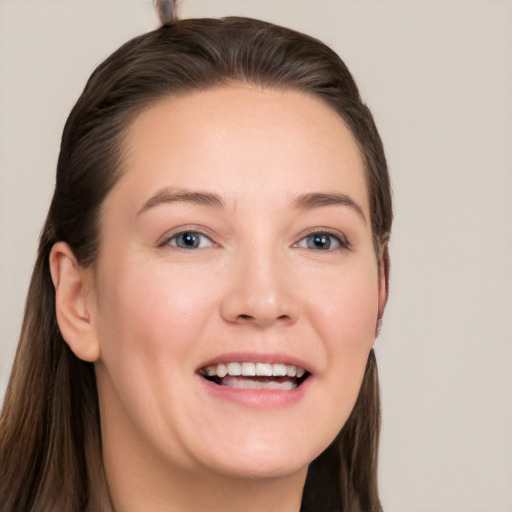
(383, 283)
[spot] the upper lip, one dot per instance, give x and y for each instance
(258, 357)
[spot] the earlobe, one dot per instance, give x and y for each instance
(74, 302)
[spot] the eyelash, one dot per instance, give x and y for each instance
(190, 232)
(323, 233)
(338, 237)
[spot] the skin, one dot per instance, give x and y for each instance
(151, 313)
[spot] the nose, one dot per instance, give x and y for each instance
(260, 291)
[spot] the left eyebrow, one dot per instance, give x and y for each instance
(319, 199)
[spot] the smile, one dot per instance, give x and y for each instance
(248, 375)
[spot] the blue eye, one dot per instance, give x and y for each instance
(322, 241)
(190, 240)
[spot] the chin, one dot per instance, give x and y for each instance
(265, 460)
(262, 469)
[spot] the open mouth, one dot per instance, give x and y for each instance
(245, 375)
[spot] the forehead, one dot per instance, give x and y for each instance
(241, 140)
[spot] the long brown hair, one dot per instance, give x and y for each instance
(50, 439)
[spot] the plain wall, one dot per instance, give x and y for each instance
(438, 78)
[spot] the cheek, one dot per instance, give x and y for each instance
(153, 302)
(150, 320)
(347, 321)
(349, 309)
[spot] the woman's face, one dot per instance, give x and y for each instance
(237, 240)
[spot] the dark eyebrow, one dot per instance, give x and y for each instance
(319, 199)
(174, 195)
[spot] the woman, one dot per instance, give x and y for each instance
(210, 280)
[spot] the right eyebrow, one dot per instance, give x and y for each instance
(175, 195)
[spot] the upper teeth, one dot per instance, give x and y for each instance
(253, 370)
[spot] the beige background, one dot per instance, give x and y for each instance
(438, 77)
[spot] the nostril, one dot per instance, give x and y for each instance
(250, 318)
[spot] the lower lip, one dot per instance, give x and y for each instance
(259, 398)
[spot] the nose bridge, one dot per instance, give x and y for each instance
(260, 290)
